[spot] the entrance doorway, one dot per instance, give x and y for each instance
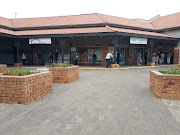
(121, 54)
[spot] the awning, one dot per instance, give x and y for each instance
(89, 30)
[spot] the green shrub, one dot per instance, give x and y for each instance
(18, 72)
(175, 71)
(59, 65)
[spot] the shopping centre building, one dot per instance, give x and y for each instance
(87, 33)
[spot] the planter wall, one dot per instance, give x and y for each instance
(165, 86)
(64, 74)
(3, 67)
(18, 64)
(114, 65)
(151, 64)
(24, 89)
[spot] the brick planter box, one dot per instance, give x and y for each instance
(18, 64)
(3, 67)
(64, 74)
(151, 64)
(114, 65)
(24, 89)
(165, 86)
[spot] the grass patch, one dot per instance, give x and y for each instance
(175, 71)
(19, 72)
(59, 65)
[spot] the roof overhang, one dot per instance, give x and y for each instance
(89, 31)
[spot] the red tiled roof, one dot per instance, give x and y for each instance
(78, 20)
(5, 22)
(57, 21)
(7, 31)
(65, 31)
(126, 22)
(81, 30)
(140, 32)
(168, 21)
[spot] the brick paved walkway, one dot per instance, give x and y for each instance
(101, 102)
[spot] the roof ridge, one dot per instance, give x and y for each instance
(11, 23)
(101, 17)
(110, 28)
(53, 16)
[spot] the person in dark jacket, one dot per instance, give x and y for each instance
(51, 57)
(76, 57)
(56, 56)
(38, 56)
(94, 58)
(118, 57)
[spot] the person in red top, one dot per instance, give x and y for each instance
(23, 58)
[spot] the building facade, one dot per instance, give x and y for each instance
(85, 34)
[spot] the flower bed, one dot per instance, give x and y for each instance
(64, 74)
(24, 89)
(19, 72)
(3, 67)
(165, 85)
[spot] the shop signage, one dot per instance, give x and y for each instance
(134, 40)
(40, 41)
(73, 49)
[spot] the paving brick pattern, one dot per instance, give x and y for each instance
(101, 102)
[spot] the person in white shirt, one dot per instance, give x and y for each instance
(108, 57)
(168, 57)
(139, 59)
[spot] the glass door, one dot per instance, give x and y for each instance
(120, 55)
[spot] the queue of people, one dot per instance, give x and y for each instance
(52, 57)
(162, 58)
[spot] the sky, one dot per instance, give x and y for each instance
(143, 9)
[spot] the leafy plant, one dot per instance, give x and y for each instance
(171, 71)
(59, 65)
(18, 72)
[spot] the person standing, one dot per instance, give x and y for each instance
(139, 59)
(51, 57)
(118, 57)
(38, 56)
(168, 58)
(145, 57)
(162, 57)
(23, 58)
(108, 57)
(56, 56)
(76, 57)
(94, 58)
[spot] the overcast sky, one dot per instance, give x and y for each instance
(143, 9)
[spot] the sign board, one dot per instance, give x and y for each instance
(134, 40)
(40, 41)
(73, 49)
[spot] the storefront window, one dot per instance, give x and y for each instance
(135, 52)
(86, 54)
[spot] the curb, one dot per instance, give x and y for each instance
(112, 68)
